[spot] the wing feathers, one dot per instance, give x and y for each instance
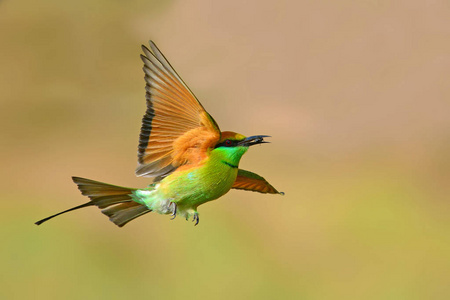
(173, 119)
(168, 67)
(252, 182)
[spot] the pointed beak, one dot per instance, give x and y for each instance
(253, 140)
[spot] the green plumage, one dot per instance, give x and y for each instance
(192, 187)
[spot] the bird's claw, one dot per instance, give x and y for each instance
(174, 214)
(196, 219)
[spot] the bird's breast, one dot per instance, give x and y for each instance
(196, 186)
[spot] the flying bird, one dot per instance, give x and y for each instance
(182, 148)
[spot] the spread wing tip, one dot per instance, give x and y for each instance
(252, 182)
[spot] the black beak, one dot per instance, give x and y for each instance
(253, 140)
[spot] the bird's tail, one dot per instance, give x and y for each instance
(114, 201)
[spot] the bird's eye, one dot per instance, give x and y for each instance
(228, 143)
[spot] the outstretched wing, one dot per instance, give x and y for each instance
(252, 182)
(176, 129)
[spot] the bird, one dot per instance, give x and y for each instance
(181, 147)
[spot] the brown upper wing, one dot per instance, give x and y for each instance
(176, 129)
(252, 182)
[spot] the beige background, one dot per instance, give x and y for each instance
(355, 95)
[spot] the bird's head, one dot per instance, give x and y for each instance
(233, 145)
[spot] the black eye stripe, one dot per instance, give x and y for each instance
(227, 143)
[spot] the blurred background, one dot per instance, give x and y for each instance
(355, 95)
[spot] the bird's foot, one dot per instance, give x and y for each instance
(174, 214)
(196, 218)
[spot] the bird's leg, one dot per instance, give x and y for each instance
(196, 218)
(174, 214)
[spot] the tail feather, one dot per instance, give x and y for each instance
(106, 201)
(125, 212)
(115, 201)
(63, 212)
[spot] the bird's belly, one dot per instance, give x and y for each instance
(192, 188)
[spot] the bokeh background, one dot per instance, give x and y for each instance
(355, 95)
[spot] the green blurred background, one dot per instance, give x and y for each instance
(355, 95)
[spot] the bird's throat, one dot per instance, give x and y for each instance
(230, 156)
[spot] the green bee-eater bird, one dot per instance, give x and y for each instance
(182, 148)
